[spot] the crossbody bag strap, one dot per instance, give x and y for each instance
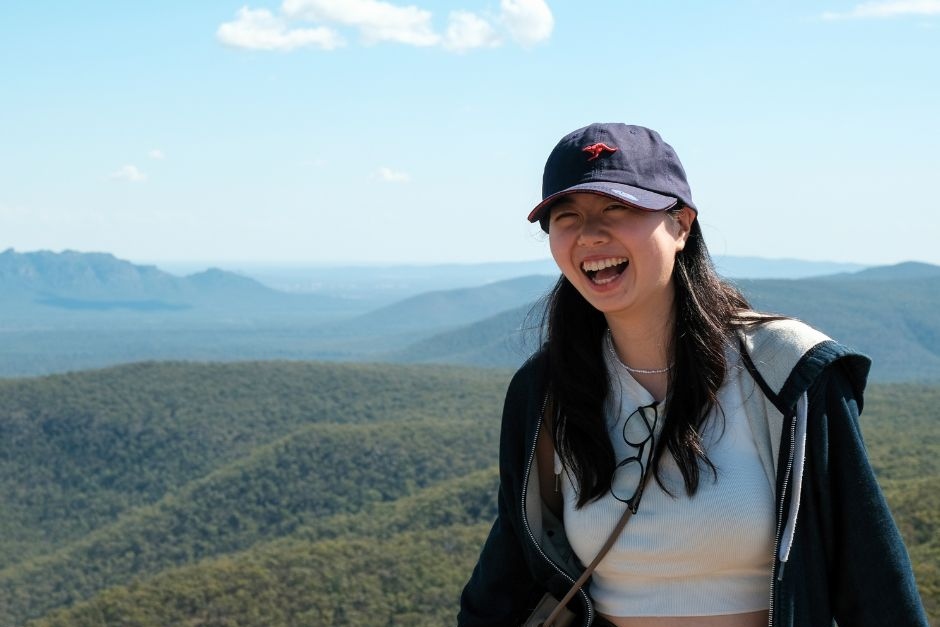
(618, 529)
(627, 514)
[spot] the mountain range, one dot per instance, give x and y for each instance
(45, 286)
(891, 313)
(65, 311)
(383, 284)
(284, 493)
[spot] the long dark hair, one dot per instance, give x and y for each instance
(707, 310)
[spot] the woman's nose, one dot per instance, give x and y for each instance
(593, 232)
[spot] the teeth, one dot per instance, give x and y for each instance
(596, 266)
(597, 281)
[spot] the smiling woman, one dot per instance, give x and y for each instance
(727, 438)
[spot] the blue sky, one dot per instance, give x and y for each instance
(359, 131)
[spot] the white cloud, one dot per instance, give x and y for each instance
(392, 176)
(529, 21)
(377, 21)
(128, 173)
(896, 8)
(526, 22)
(466, 31)
(261, 30)
(157, 154)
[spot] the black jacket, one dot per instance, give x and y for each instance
(839, 554)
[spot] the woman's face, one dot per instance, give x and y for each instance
(619, 258)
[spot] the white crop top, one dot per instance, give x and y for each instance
(706, 555)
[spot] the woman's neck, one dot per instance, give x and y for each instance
(645, 345)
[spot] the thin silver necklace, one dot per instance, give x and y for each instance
(613, 353)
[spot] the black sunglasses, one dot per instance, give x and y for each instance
(630, 474)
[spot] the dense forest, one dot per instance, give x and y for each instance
(289, 493)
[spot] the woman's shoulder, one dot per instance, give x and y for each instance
(790, 355)
(776, 336)
(533, 371)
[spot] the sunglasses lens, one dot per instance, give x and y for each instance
(626, 480)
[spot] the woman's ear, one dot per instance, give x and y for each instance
(684, 218)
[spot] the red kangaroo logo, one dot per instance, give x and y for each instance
(597, 150)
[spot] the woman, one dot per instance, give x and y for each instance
(733, 435)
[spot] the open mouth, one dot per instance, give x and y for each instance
(603, 271)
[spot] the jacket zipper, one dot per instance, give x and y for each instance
(776, 576)
(525, 518)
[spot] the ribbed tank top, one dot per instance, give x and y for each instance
(679, 556)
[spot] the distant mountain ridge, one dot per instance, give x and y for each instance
(73, 310)
(891, 313)
(904, 270)
(383, 284)
(102, 275)
(458, 306)
(36, 285)
(741, 267)
(502, 340)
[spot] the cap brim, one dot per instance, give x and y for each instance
(627, 194)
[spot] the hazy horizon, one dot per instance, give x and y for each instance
(286, 264)
(314, 263)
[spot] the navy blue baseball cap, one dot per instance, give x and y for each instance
(631, 164)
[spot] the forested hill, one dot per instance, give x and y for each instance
(282, 494)
(121, 473)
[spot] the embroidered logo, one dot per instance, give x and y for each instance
(597, 150)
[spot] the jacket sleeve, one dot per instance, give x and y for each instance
(870, 576)
(500, 585)
(501, 588)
